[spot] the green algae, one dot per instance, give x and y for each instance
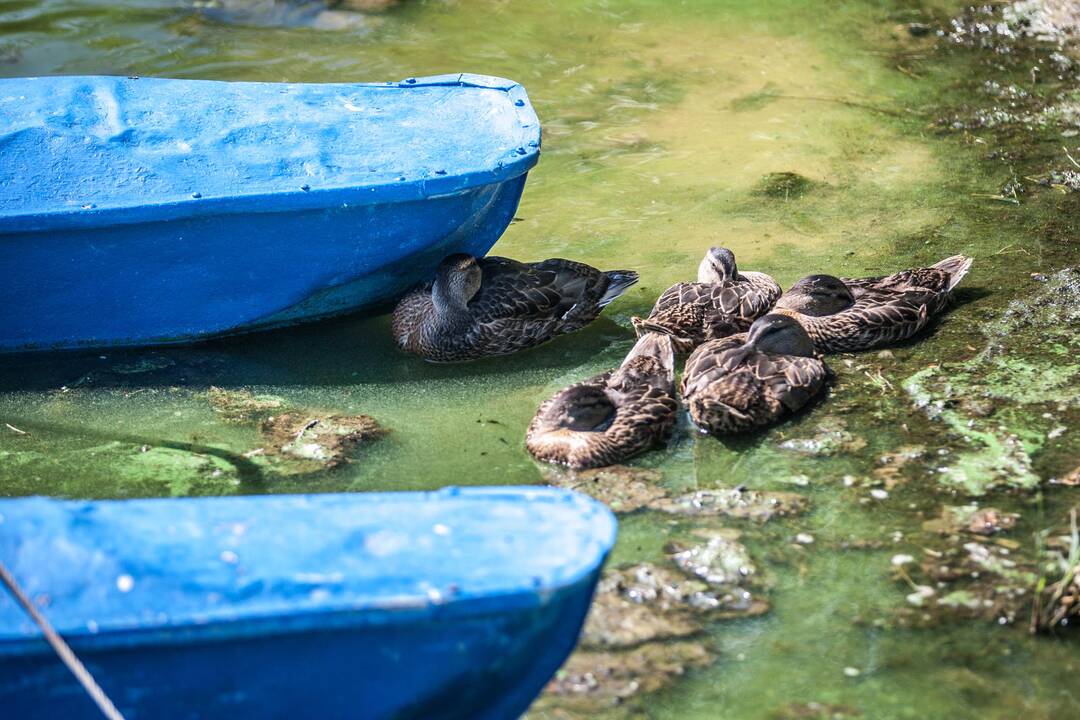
(1008, 401)
(784, 185)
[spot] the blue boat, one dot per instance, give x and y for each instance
(453, 604)
(139, 211)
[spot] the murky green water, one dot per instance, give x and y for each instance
(660, 120)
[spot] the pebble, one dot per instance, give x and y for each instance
(804, 538)
(879, 494)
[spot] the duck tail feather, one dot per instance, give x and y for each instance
(618, 282)
(655, 345)
(957, 266)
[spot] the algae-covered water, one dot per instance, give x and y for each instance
(665, 125)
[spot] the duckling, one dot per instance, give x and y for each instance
(611, 416)
(723, 301)
(750, 380)
(486, 307)
(849, 314)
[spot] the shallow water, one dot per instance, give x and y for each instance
(660, 121)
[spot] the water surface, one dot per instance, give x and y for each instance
(660, 121)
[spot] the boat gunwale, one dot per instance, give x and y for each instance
(518, 161)
(337, 613)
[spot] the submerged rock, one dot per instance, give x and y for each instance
(623, 489)
(784, 185)
(971, 519)
(720, 560)
(635, 637)
(324, 442)
(592, 681)
(241, 405)
(832, 437)
(736, 502)
(641, 604)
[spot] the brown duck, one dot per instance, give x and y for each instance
(849, 314)
(485, 307)
(611, 416)
(722, 302)
(751, 380)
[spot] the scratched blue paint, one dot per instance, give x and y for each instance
(136, 211)
(453, 604)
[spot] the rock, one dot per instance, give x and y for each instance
(596, 680)
(990, 521)
(241, 405)
(623, 489)
(971, 519)
(640, 604)
(322, 442)
(832, 437)
(720, 560)
(737, 503)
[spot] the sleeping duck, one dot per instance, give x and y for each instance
(485, 307)
(722, 302)
(611, 416)
(751, 380)
(848, 314)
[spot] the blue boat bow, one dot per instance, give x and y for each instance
(455, 604)
(138, 211)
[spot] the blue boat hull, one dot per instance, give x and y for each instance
(480, 668)
(184, 280)
(302, 635)
(145, 211)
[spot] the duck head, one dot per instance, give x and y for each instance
(457, 279)
(779, 335)
(817, 295)
(717, 266)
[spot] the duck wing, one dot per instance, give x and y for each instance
(876, 319)
(941, 277)
(548, 289)
(710, 362)
(793, 380)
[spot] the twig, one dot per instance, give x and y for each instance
(1000, 198)
(311, 424)
(1070, 156)
(16, 430)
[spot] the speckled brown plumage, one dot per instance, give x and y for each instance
(723, 301)
(612, 416)
(730, 386)
(486, 307)
(884, 310)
